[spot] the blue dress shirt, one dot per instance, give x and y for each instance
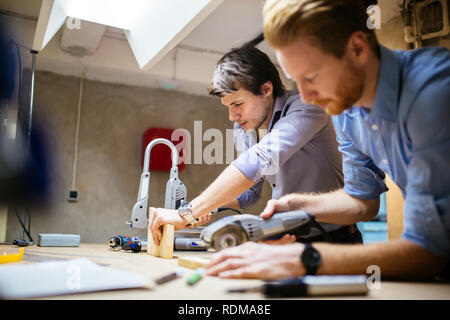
(406, 134)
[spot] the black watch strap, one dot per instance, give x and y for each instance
(311, 259)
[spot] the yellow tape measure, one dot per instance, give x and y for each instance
(10, 255)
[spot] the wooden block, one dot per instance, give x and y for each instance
(193, 262)
(165, 248)
(394, 204)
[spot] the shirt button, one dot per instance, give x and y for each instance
(274, 185)
(385, 161)
(374, 127)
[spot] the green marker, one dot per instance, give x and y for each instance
(196, 276)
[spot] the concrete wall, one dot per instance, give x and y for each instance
(113, 119)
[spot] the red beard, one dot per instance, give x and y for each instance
(347, 93)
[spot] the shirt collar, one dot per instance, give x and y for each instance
(387, 91)
(278, 108)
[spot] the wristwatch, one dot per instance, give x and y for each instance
(185, 211)
(311, 259)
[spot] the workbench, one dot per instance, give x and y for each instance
(209, 288)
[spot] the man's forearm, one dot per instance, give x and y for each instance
(227, 187)
(334, 207)
(399, 259)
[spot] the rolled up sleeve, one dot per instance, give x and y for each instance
(251, 196)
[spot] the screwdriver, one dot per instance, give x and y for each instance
(310, 286)
(171, 276)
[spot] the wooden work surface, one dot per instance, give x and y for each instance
(209, 288)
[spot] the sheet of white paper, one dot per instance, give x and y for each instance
(63, 277)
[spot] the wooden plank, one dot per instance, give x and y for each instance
(394, 206)
(193, 262)
(165, 248)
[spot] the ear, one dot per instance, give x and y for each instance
(267, 89)
(358, 47)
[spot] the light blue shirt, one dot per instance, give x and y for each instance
(407, 135)
(298, 154)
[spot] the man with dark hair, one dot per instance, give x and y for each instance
(391, 114)
(280, 139)
(247, 68)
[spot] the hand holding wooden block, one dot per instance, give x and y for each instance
(165, 248)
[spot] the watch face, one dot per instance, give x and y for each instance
(184, 207)
(311, 257)
(185, 211)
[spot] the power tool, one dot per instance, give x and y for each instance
(126, 243)
(234, 230)
(137, 245)
(175, 189)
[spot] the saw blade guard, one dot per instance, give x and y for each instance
(175, 189)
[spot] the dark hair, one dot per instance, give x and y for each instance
(245, 67)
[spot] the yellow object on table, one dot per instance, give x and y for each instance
(6, 256)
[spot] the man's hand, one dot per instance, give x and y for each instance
(258, 261)
(161, 217)
(274, 206)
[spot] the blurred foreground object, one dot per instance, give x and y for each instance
(24, 174)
